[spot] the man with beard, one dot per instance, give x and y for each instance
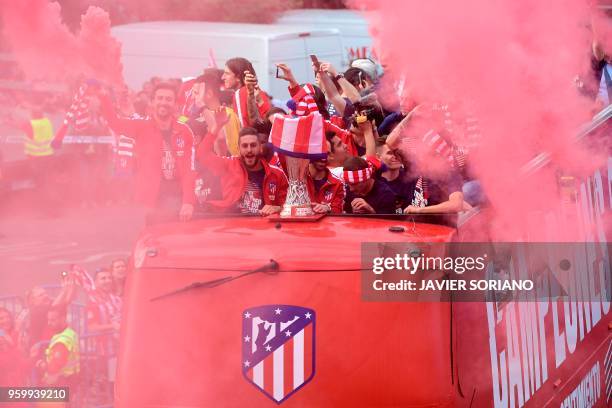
(250, 185)
(326, 190)
(60, 365)
(337, 153)
(103, 307)
(238, 71)
(164, 174)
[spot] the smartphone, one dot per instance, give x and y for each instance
(277, 72)
(315, 62)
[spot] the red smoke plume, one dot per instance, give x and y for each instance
(514, 61)
(47, 50)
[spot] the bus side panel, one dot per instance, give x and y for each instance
(547, 353)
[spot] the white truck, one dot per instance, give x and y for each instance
(182, 48)
(352, 25)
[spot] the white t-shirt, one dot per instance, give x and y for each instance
(338, 172)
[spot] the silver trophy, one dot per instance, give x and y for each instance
(297, 203)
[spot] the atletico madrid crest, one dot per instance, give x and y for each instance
(278, 349)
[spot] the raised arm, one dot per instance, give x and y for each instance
(119, 125)
(395, 137)
(349, 89)
(252, 106)
(330, 90)
(68, 292)
(367, 127)
(454, 204)
(287, 75)
(206, 153)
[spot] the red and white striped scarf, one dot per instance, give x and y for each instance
(438, 145)
(124, 154)
(83, 279)
(357, 176)
(78, 116)
(464, 129)
(304, 101)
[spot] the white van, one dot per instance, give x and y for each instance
(352, 24)
(181, 49)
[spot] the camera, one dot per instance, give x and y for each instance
(372, 112)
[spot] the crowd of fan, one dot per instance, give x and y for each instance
(204, 145)
(409, 157)
(31, 350)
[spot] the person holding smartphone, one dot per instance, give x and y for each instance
(237, 72)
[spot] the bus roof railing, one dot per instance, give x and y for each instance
(544, 158)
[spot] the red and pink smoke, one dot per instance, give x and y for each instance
(46, 49)
(514, 61)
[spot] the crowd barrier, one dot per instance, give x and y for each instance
(97, 354)
(98, 361)
(12, 303)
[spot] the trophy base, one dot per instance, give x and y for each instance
(297, 210)
(295, 218)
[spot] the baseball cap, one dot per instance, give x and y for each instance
(368, 66)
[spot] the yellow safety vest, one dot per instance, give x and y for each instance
(70, 340)
(40, 143)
